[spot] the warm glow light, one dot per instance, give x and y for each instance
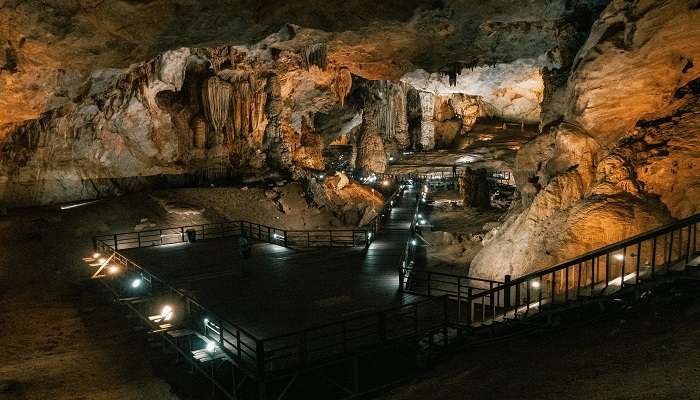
(101, 260)
(535, 284)
(113, 269)
(619, 257)
(166, 312)
(385, 183)
(96, 256)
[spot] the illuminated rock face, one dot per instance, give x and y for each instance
(512, 91)
(637, 56)
(629, 161)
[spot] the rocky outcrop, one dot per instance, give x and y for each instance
(353, 203)
(637, 56)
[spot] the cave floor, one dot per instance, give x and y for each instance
(284, 289)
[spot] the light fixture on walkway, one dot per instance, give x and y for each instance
(113, 269)
(619, 257)
(167, 312)
(136, 283)
(535, 284)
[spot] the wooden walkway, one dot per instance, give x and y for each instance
(280, 289)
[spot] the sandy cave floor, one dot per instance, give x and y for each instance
(60, 337)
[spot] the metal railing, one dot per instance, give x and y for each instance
(152, 294)
(600, 273)
(429, 283)
(287, 238)
(257, 356)
(350, 336)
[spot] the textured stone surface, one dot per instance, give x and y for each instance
(637, 56)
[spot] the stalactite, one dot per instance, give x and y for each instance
(216, 96)
(248, 97)
(314, 54)
(392, 119)
(342, 83)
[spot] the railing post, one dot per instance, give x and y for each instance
(506, 292)
(382, 326)
(260, 359)
(429, 279)
(238, 343)
(470, 306)
(285, 239)
(445, 319)
(402, 268)
(302, 349)
(116, 245)
(459, 298)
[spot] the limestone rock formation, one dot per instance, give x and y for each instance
(637, 56)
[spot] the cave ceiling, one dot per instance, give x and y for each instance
(51, 47)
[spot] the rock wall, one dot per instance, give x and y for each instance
(637, 56)
(627, 161)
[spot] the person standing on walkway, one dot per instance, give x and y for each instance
(245, 250)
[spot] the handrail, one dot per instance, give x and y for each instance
(611, 248)
(597, 273)
(409, 276)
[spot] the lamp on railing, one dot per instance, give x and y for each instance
(619, 257)
(535, 284)
(136, 283)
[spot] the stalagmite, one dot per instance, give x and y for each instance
(342, 83)
(314, 54)
(217, 104)
(199, 127)
(371, 156)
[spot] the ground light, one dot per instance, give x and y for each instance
(385, 183)
(167, 312)
(535, 284)
(96, 255)
(113, 269)
(136, 283)
(413, 242)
